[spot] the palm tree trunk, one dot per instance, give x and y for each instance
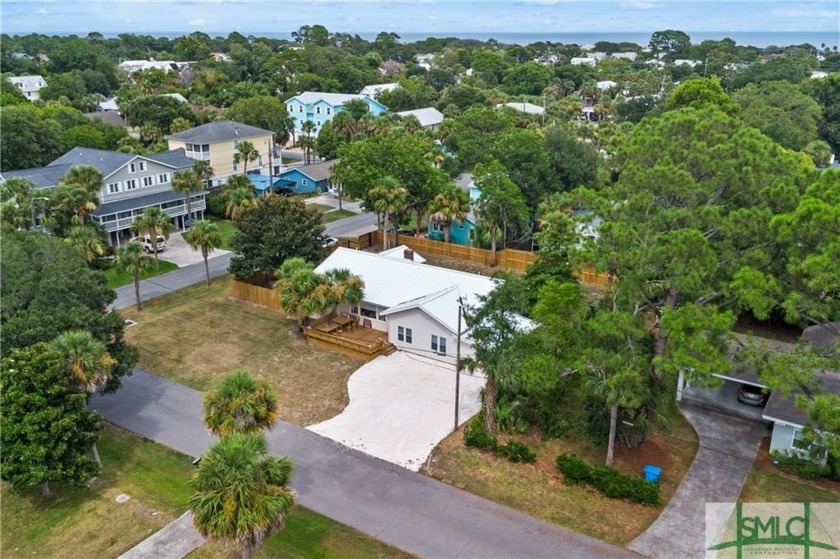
(137, 289)
(244, 549)
(45, 489)
(490, 405)
(493, 242)
(340, 193)
(206, 269)
(613, 425)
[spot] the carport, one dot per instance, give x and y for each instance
(725, 398)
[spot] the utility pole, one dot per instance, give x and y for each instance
(458, 365)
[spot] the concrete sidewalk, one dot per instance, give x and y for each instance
(404, 509)
(728, 446)
(175, 540)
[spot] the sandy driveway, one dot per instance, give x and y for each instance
(401, 407)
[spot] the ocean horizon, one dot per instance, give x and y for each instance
(760, 39)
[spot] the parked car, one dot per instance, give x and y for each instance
(330, 241)
(146, 241)
(752, 395)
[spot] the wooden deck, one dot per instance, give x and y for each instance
(352, 340)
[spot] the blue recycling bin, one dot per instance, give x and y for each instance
(652, 473)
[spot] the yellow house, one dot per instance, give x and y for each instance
(217, 142)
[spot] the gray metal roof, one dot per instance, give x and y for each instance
(219, 131)
(316, 171)
(106, 161)
(41, 177)
(141, 202)
(111, 117)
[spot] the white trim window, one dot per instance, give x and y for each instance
(439, 344)
(317, 110)
(132, 168)
(142, 165)
(163, 178)
(131, 184)
(148, 181)
(113, 188)
(404, 334)
(328, 110)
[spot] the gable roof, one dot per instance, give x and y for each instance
(219, 131)
(316, 171)
(110, 117)
(106, 161)
(398, 253)
(391, 282)
(528, 108)
(310, 97)
(428, 116)
(376, 89)
(41, 177)
(28, 83)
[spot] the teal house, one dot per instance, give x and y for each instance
(316, 177)
(460, 233)
(320, 108)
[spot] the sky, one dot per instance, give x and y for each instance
(439, 17)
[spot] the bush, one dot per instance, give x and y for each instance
(516, 451)
(216, 207)
(476, 435)
(609, 481)
(800, 466)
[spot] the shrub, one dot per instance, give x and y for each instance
(216, 206)
(609, 481)
(800, 466)
(476, 435)
(516, 451)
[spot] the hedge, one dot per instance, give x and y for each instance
(609, 481)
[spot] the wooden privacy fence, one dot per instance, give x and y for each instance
(263, 296)
(517, 260)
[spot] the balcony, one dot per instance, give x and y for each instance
(202, 155)
(125, 222)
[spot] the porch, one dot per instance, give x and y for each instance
(345, 335)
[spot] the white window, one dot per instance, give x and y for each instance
(318, 124)
(291, 109)
(163, 177)
(142, 165)
(317, 110)
(404, 334)
(303, 182)
(235, 165)
(132, 168)
(236, 144)
(131, 184)
(328, 110)
(259, 160)
(439, 344)
(300, 109)
(113, 188)
(148, 181)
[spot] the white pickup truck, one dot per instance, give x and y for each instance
(148, 246)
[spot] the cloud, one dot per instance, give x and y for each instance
(41, 11)
(637, 5)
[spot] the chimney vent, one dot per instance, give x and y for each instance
(408, 254)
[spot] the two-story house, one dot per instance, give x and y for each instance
(217, 142)
(131, 183)
(30, 86)
(320, 108)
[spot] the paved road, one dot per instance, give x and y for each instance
(727, 451)
(404, 509)
(218, 264)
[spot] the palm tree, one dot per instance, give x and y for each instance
(132, 260)
(245, 153)
(16, 202)
(296, 285)
(153, 222)
(86, 176)
(78, 191)
(453, 204)
(344, 125)
(203, 170)
(240, 404)
(206, 237)
(87, 361)
(307, 142)
(411, 124)
(238, 193)
(85, 239)
(186, 182)
(241, 492)
(388, 198)
(344, 289)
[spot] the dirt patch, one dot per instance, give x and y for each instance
(198, 335)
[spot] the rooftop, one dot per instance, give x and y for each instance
(428, 116)
(220, 131)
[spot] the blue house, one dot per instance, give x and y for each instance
(320, 108)
(308, 178)
(460, 233)
(264, 182)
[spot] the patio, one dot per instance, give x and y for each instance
(345, 335)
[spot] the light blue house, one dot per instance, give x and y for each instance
(308, 178)
(463, 232)
(320, 108)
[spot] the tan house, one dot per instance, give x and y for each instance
(217, 142)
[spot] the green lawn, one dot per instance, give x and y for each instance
(89, 523)
(118, 279)
(227, 229)
(766, 485)
(335, 215)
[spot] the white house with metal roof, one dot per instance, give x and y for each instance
(320, 108)
(417, 304)
(30, 86)
(429, 117)
(376, 90)
(131, 183)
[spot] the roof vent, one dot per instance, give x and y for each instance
(408, 254)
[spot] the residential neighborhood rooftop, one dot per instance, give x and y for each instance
(428, 116)
(219, 131)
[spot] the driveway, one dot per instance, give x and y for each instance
(728, 446)
(401, 407)
(179, 252)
